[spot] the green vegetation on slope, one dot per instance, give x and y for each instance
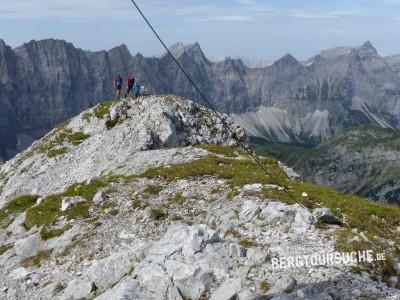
(14, 207)
(60, 142)
(238, 172)
(223, 150)
(102, 111)
(5, 248)
(379, 222)
(353, 161)
(48, 210)
(374, 219)
(287, 153)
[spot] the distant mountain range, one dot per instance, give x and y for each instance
(44, 83)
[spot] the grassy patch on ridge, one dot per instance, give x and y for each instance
(238, 172)
(48, 211)
(14, 207)
(371, 217)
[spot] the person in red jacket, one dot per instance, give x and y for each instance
(118, 81)
(130, 84)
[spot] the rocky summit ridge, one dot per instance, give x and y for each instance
(113, 138)
(152, 199)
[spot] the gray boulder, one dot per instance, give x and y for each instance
(326, 216)
(228, 290)
(19, 274)
(255, 256)
(78, 288)
(249, 210)
(68, 202)
(122, 291)
(28, 247)
(285, 284)
(100, 198)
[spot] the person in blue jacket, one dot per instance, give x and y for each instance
(118, 81)
(137, 90)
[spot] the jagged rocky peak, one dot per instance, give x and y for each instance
(4, 48)
(176, 49)
(32, 52)
(193, 50)
(47, 44)
(334, 53)
(122, 50)
(366, 50)
(235, 63)
(288, 60)
(2, 44)
(316, 60)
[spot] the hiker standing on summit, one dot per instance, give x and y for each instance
(118, 81)
(130, 84)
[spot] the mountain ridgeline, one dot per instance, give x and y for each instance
(44, 83)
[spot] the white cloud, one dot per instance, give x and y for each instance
(333, 14)
(233, 18)
(95, 10)
(71, 9)
(246, 2)
(392, 2)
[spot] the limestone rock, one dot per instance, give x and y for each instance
(78, 288)
(19, 274)
(228, 290)
(28, 247)
(68, 202)
(249, 210)
(325, 215)
(122, 291)
(256, 187)
(255, 256)
(100, 198)
(285, 284)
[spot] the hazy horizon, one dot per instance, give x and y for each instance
(222, 28)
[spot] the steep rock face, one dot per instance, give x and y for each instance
(8, 117)
(46, 82)
(351, 87)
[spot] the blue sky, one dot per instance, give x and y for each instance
(261, 29)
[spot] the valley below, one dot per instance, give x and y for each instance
(362, 160)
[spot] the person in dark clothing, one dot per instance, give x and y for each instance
(118, 81)
(130, 84)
